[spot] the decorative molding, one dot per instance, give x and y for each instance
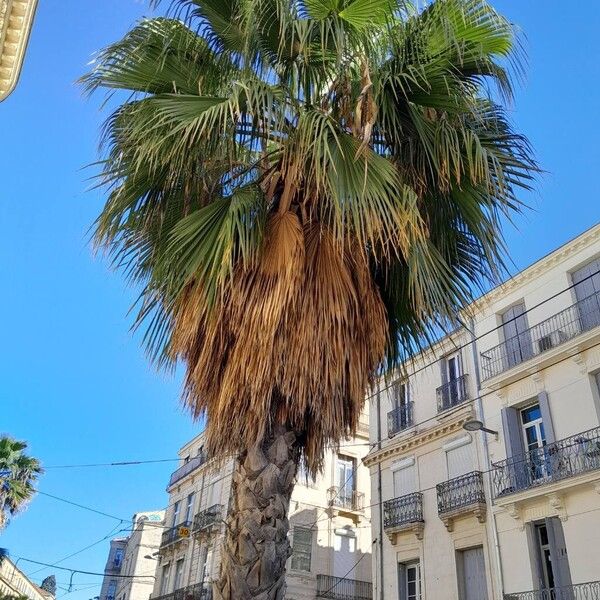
(538, 379)
(580, 360)
(556, 501)
(418, 529)
(406, 442)
(16, 19)
(478, 510)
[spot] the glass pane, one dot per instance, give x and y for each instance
(531, 436)
(531, 414)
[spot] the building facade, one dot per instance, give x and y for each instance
(131, 564)
(513, 512)
(330, 528)
(13, 582)
(16, 19)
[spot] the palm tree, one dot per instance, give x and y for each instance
(18, 473)
(306, 191)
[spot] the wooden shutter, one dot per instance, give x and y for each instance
(460, 460)
(546, 417)
(472, 566)
(405, 481)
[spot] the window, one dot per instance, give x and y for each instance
(535, 439)
(587, 291)
(459, 457)
(400, 418)
(165, 579)
(118, 558)
(303, 476)
(186, 460)
(345, 480)
(405, 478)
(189, 513)
(409, 579)
(176, 508)
(517, 338)
(178, 583)
(301, 549)
(110, 592)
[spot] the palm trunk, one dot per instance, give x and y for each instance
(256, 544)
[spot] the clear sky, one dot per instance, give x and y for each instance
(74, 382)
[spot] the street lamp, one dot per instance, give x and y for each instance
(152, 556)
(476, 425)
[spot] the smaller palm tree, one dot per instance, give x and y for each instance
(18, 473)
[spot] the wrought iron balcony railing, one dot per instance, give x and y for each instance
(187, 468)
(175, 534)
(346, 498)
(460, 492)
(340, 588)
(208, 518)
(554, 331)
(453, 393)
(565, 458)
(578, 591)
(199, 591)
(400, 418)
(404, 510)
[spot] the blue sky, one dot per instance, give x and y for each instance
(75, 383)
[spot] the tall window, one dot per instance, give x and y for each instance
(346, 480)
(165, 579)
(401, 406)
(178, 583)
(303, 477)
(409, 578)
(189, 512)
(118, 558)
(535, 439)
(110, 592)
(301, 549)
(176, 508)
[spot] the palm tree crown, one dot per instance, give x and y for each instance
(18, 473)
(306, 190)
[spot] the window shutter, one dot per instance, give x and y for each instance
(513, 435)
(460, 460)
(535, 560)
(546, 417)
(558, 552)
(401, 582)
(404, 481)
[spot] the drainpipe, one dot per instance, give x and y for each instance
(486, 456)
(379, 498)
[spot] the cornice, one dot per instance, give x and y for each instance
(403, 443)
(16, 19)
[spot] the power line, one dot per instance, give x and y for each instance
(124, 463)
(37, 562)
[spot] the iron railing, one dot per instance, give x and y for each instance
(578, 591)
(208, 517)
(187, 468)
(404, 510)
(460, 492)
(554, 331)
(565, 458)
(400, 418)
(199, 591)
(174, 534)
(341, 588)
(347, 498)
(453, 393)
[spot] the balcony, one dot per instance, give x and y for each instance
(571, 457)
(400, 418)
(342, 499)
(208, 519)
(199, 591)
(187, 468)
(404, 514)
(578, 591)
(560, 328)
(453, 393)
(461, 496)
(340, 588)
(175, 534)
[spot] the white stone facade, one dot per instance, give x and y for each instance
(13, 582)
(513, 516)
(329, 541)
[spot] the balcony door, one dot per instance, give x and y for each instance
(400, 405)
(550, 559)
(517, 337)
(534, 438)
(471, 574)
(178, 582)
(587, 291)
(345, 480)
(452, 379)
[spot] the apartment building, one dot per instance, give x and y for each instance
(13, 582)
(330, 528)
(131, 564)
(486, 459)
